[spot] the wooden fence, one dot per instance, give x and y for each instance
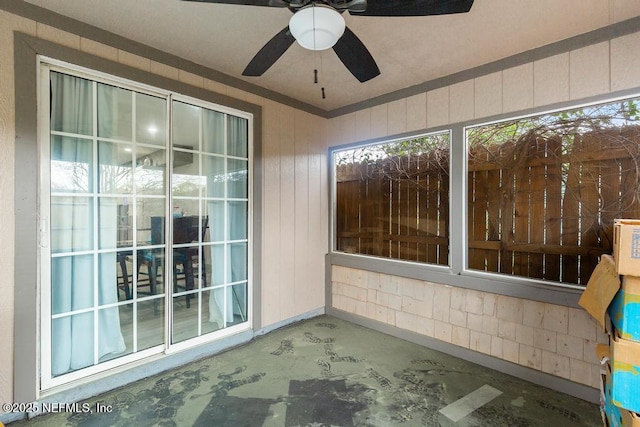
(539, 207)
(395, 208)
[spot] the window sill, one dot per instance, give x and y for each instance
(517, 287)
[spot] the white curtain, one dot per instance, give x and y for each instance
(216, 301)
(235, 180)
(73, 340)
(237, 145)
(235, 296)
(217, 296)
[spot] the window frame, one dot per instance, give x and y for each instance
(333, 241)
(458, 274)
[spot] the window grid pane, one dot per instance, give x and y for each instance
(95, 276)
(210, 174)
(544, 190)
(392, 199)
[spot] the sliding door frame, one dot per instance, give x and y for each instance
(97, 370)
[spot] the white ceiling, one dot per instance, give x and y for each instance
(409, 51)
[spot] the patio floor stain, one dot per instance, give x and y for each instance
(327, 372)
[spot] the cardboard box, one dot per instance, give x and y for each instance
(625, 309)
(611, 413)
(618, 417)
(626, 246)
(603, 354)
(625, 373)
(601, 290)
(602, 351)
(629, 419)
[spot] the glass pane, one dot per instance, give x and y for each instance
(213, 130)
(108, 336)
(150, 265)
(237, 295)
(217, 265)
(238, 220)
(71, 224)
(186, 126)
(124, 275)
(115, 173)
(203, 228)
(115, 116)
(150, 171)
(73, 339)
(71, 283)
(108, 275)
(111, 342)
(199, 269)
(213, 170)
(150, 323)
(237, 268)
(216, 220)
(237, 178)
(185, 268)
(185, 207)
(125, 222)
(185, 319)
(186, 178)
(206, 233)
(237, 137)
(186, 229)
(205, 267)
(108, 222)
(71, 164)
(150, 221)
(151, 117)
(542, 193)
(392, 199)
(71, 104)
(212, 303)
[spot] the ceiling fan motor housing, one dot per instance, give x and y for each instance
(317, 27)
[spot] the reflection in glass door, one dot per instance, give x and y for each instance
(138, 258)
(107, 178)
(210, 211)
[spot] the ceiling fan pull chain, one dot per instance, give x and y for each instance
(315, 76)
(323, 95)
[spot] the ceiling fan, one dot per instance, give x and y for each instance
(319, 25)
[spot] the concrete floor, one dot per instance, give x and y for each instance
(327, 372)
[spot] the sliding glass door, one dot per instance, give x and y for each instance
(145, 213)
(210, 212)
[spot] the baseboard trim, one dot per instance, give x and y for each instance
(562, 385)
(304, 316)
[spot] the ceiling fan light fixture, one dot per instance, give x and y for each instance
(317, 27)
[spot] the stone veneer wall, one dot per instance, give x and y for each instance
(550, 338)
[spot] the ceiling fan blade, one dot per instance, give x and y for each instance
(270, 3)
(355, 56)
(269, 53)
(414, 7)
